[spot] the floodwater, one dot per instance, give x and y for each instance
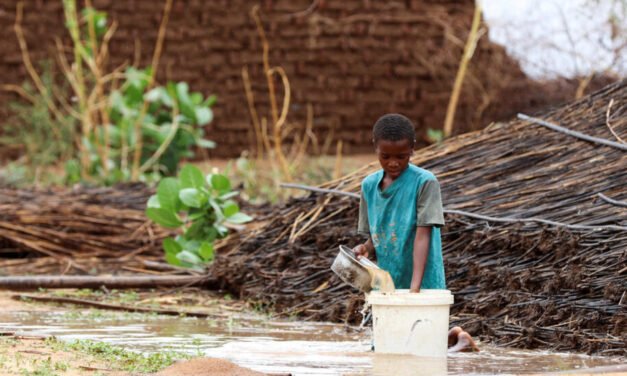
(267, 345)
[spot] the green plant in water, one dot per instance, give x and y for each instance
(208, 212)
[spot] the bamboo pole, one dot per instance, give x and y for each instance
(113, 307)
(94, 282)
(572, 133)
(469, 49)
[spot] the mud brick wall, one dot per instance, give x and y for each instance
(351, 60)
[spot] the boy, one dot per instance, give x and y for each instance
(401, 211)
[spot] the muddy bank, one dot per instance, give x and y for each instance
(143, 343)
(24, 352)
(35, 356)
(207, 367)
(38, 356)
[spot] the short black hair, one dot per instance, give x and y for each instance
(394, 127)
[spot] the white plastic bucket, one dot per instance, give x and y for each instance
(410, 323)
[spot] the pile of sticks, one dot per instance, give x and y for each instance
(535, 245)
(78, 231)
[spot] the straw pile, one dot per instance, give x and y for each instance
(84, 230)
(526, 284)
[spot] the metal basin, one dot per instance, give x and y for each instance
(351, 270)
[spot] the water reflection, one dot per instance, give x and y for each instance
(281, 346)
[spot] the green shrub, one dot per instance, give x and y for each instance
(41, 138)
(104, 127)
(170, 129)
(208, 212)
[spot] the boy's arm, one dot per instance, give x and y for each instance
(363, 227)
(429, 213)
(421, 251)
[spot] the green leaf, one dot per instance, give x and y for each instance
(168, 193)
(153, 95)
(211, 234)
(194, 216)
(192, 197)
(210, 101)
(116, 101)
(164, 217)
(153, 202)
(171, 246)
(159, 94)
(219, 182)
(205, 144)
(195, 231)
(217, 209)
(229, 195)
(185, 103)
(137, 78)
(99, 20)
(435, 135)
(196, 98)
(239, 218)
(206, 251)
(222, 230)
(229, 208)
(204, 115)
(158, 135)
(72, 171)
(189, 257)
(172, 259)
(100, 23)
(191, 245)
(191, 177)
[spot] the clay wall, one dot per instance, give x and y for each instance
(351, 60)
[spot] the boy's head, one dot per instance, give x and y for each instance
(394, 138)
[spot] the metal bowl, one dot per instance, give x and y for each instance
(352, 271)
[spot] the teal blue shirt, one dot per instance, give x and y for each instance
(392, 217)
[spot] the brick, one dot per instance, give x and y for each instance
(352, 60)
(414, 70)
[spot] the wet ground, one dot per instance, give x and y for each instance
(264, 344)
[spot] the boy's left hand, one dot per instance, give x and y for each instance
(414, 289)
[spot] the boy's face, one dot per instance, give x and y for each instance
(394, 156)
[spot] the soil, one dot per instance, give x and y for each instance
(9, 304)
(19, 356)
(207, 367)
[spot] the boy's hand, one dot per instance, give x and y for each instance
(414, 289)
(360, 251)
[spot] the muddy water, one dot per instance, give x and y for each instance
(380, 280)
(280, 346)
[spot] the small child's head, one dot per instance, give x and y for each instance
(394, 138)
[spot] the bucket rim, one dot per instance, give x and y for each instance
(402, 297)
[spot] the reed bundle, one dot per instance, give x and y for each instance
(535, 244)
(534, 252)
(76, 231)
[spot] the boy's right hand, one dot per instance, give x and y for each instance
(360, 251)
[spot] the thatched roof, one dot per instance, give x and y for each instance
(529, 284)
